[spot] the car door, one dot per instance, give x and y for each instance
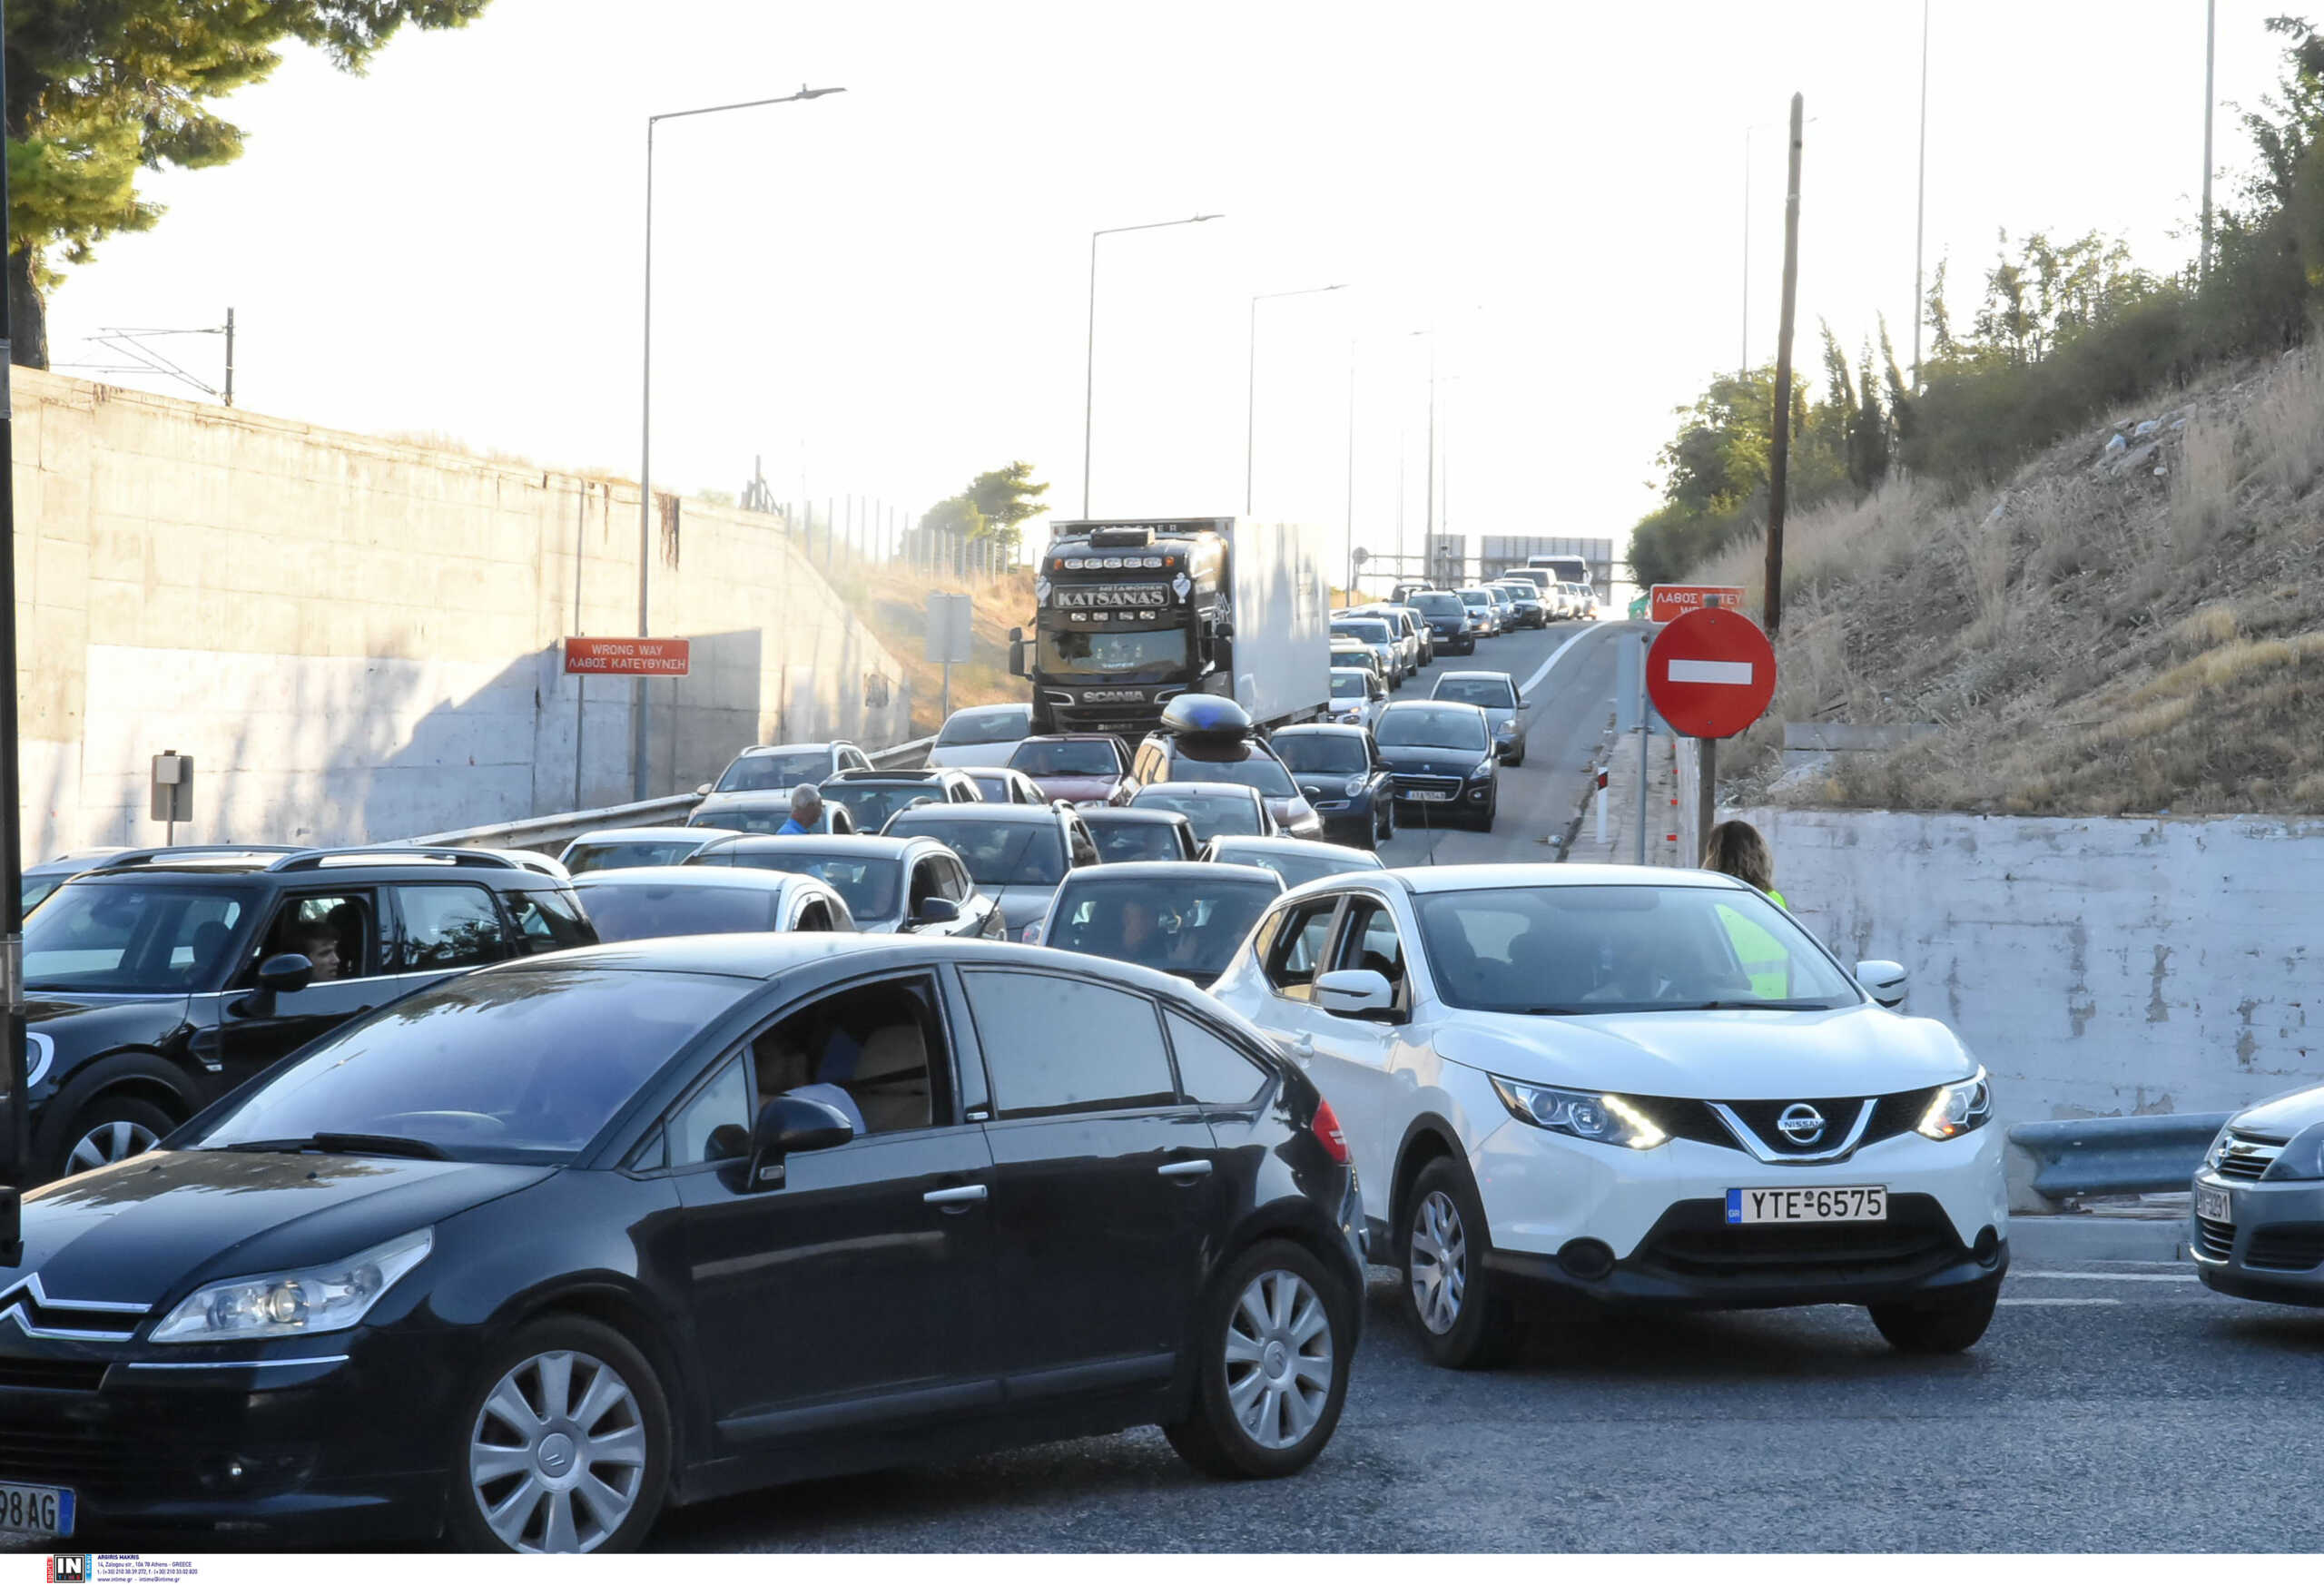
(1356, 1059)
(1106, 1195)
(980, 915)
(932, 877)
(253, 1035)
(854, 1293)
(1294, 946)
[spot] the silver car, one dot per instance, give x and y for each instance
(2257, 1227)
(1015, 853)
(1496, 695)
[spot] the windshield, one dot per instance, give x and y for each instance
(1474, 598)
(1440, 604)
(1085, 757)
(1210, 813)
(1347, 684)
(1363, 632)
(998, 852)
(868, 884)
(767, 773)
(1261, 772)
(115, 936)
(1184, 927)
(1623, 949)
(1323, 753)
(632, 911)
(1005, 724)
(1487, 693)
(508, 1066)
(1106, 653)
(630, 855)
(1315, 860)
(872, 805)
(1457, 728)
(1121, 841)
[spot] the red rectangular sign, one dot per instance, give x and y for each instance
(1671, 601)
(628, 657)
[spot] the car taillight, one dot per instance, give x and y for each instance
(1327, 1128)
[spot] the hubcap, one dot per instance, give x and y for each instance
(108, 1143)
(1440, 1262)
(1278, 1360)
(557, 1457)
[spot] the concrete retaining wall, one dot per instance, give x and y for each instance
(2097, 967)
(359, 639)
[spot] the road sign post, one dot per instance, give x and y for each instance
(1711, 673)
(951, 620)
(173, 785)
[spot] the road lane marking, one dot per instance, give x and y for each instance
(2115, 1277)
(1711, 671)
(1534, 680)
(2057, 1302)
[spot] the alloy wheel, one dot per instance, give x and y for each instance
(1278, 1359)
(557, 1460)
(108, 1143)
(1439, 1263)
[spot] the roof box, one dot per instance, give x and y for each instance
(1206, 715)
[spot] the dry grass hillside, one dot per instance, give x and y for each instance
(2135, 623)
(895, 608)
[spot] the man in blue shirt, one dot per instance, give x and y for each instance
(806, 812)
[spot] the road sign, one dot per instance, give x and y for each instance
(628, 657)
(949, 617)
(1711, 673)
(173, 784)
(1671, 601)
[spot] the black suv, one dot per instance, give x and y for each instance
(163, 978)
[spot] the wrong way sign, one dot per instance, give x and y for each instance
(1671, 601)
(1711, 673)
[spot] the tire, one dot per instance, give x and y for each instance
(1492, 807)
(1943, 1328)
(1254, 1317)
(1443, 1241)
(108, 1127)
(633, 1434)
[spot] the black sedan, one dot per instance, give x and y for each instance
(527, 1256)
(1340, 772)
(1444, 761)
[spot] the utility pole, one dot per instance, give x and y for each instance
(1920, 200)
(1351, 470)
(230, 358)
(2210, 50)
(1428, 541)
(1779, 459)
(12, 832)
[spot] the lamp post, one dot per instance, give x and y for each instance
(1090, 357)
(646, 412)
(1251, 377)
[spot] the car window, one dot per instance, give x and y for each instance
(631, 905)
(1123, 841)
(1297, 951)
(547, 920)
(867, 885)
(130, 937)
(876, 1052)
(1323, 753)
(766, 772)
(1488, 693)
(1005, 725)
(1212, 1071)
(582, 858)
(449, 926)
(1021, 851)
(926, 883)
(723, 1104)
(1448, 726)
(952, 880)
(1034, 1029)
(334, 931)
(1073, 757)
(1371, 941)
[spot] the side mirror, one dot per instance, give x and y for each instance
(1883, 981)
(1016, 652)
(703, 791)
(933, 911)
(789, 1125)
(1356, 993)
(280, 975)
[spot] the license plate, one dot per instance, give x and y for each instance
(2212, 1204)
(36, 1509)
(1419, 797)
(1747, 1207)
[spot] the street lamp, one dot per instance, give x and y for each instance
(646, 406)
(1251, 376)
(1090, 361)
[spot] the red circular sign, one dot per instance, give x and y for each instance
(1711, 673)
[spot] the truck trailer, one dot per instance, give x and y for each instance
(1131, 614)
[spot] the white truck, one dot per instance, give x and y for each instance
(1129, 614)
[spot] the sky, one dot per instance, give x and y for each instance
(886, 292)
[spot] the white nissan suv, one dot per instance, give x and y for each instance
(1646, 1087)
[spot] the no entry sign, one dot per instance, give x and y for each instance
(628, 657)
(1672, 601)
(1711, 673)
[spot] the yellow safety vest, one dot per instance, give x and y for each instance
(1762, 956)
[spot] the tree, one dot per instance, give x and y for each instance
(99, 90)
(1005, 497)
(954, 516)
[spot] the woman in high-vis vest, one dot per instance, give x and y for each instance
(1736, 848)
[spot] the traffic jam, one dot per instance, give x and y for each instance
(398, 1191)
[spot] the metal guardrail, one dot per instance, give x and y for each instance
(2116, 1156)
(548, 832)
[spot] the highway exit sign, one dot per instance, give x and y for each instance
(1671, 601)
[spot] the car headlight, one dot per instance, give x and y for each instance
(1481, 772)
(1959, 1107)
(290, 1303)
(1506, 729)
(1607, 1120)
(1354, 788)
